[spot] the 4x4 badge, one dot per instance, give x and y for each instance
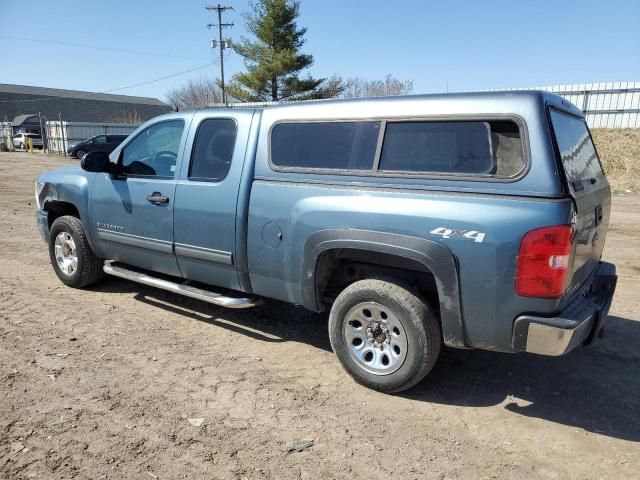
(445, 232)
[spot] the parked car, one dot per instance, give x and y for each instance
(20, 140)
(99, 143)
(469, 220)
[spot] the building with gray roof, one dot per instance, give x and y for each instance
(19, 102)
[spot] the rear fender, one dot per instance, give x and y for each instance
(434, 258)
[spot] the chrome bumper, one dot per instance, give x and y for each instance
(578, 323)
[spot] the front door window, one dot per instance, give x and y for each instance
(154, 151)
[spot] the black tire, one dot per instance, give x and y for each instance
(421, 326)
(89, 266)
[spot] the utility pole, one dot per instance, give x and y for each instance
(221, 43)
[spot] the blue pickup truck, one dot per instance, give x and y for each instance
(466, 220)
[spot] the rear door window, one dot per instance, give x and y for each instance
(213, 149)
(577, 152)
(325, 145)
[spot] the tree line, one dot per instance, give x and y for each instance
(275, 66)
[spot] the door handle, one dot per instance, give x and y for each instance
(599, 215)
(157, 197)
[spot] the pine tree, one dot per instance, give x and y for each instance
(274, 61)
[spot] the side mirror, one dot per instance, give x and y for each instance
(96, 162)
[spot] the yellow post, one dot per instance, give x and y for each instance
(30, 145)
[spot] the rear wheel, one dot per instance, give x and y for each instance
(385, 336)
(71, 255)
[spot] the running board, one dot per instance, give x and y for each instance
(180, 289)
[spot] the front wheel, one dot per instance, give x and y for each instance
(385, 336)
(71, 255)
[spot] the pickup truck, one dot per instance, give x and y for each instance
(465, 220)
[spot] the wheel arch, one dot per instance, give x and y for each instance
(413, 253)
(57, 208)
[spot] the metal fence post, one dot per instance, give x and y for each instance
(42, 134)
(64, 146)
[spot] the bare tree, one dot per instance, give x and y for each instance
(131, 117)
(195, 94)
(334, 87)
(356, 87)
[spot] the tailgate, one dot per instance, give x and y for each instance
(590, 190)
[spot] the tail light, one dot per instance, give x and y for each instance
(543, 262)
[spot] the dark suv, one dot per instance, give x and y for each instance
(99, 143)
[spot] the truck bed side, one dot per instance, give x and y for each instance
(285, 215)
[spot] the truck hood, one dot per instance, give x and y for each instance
(63, 172)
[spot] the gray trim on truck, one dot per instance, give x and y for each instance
(155, 244)
(201, 253)
(434, 257)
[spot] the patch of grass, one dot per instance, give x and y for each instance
(619, 151)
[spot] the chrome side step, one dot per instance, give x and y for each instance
(181, 289)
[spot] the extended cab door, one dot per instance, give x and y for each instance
(132, 211)
(206, 197)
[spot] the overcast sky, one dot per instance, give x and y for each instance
(463, 44)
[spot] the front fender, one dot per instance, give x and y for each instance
(69, 185)
(434, 257)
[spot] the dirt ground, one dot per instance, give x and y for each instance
(619, 152)
(102, 384)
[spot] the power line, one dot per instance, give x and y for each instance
(97, 47)
(159, 79)
(114, 89)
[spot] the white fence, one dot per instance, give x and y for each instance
(60, 135)
(6, 136)
(605, 105)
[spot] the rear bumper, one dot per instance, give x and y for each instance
(577, 324)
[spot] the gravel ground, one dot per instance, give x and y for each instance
(106, 383)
